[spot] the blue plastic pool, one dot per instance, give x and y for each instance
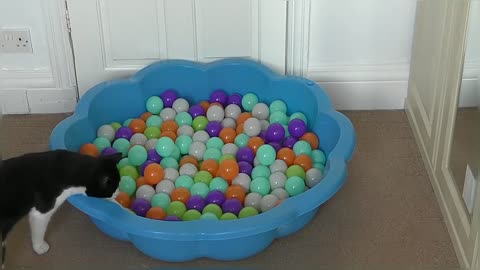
(222, 240)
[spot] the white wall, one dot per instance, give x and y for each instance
(44, 80)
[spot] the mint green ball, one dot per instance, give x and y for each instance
(115, 125)
(249, 101)
(199, 123)
(287, 132)
(176, 208)
(122, 163)
(137, 155)
(302, 147)
(278, 105)
(203, 177)
(298, 115)
(218, 183)
(214, 209)
(176, 154)
(161, 200)
(318, 156)
(319, 166)
(165, 146)
(260, 185)
(215, 142)
(278, 117)
(154, 121)
(261, 171)
(169, 162)
(154, 104)
(183, 119)
(294, 185)
(247, 212)
(122, 145)
(184, 181)
(212, 153)
(183, 143)
(128, 185)
(241, 140)
(228, 216)
(126, 123)
(152, 132)
(266, 154)
(296, 170)
(209, 216)
(101, 143)
(200, 189)
(191, 214)
(129, 170)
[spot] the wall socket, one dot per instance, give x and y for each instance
(15, 40)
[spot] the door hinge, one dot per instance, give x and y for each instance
(67, 19)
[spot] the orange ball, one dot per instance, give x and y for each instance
(188, 159)
(228, 135)
(312, 139)
(210, 165)
(286, 154)
(169, 134)
(180, 194)
(243, 117)
(279, 202)
(141, 181)
(89, 149)
(239, 129)
(156, 213)
(228, 170)
(254, 143)
(145, 116)
(137, 126)
(235, 192)
(170, 125)
(304, 161)
(153, 174)
(205, 105)
(123, 199)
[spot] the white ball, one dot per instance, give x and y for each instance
(256, 162)
(197, 149)
(229, 123)
(313, 176)
(106, 131)
(171, 174)
(277, 180)
(261, 111)
(151, 144)
(252, 127)
(145, 192)
(138, 139)
(281, 193)
(243, 180)
(278, 166)
(253, 200)
(165, 186)
(233, 111)
(188, 169)
(200, 136)
(230, 149)
(185, 130)
(264, 124)
(268, 202)
(168, 114)
(181, 105)
(215, 113)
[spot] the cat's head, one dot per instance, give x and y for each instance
(106, 177)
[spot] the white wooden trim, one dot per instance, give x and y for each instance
(298, 31)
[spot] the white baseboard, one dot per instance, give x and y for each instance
(25, 101)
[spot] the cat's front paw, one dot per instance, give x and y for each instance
(41, 248)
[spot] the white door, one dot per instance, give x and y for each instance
(115, 38)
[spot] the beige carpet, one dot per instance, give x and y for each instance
(385, 217)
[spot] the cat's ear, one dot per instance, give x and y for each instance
(113, 157)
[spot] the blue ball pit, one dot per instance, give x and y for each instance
(118, 100)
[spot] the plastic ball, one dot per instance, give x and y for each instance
(109, 151)
(184, 181)
(188, 169)
(297, 128)
(185, 130)
(165, 146)
(233, 111)
(123, 199)
(256, 162)
(218, 183)
(229, 123)
(183, 119)
(287, 155)
(106, 131)
(232, 206)
(252, 127)
(211, 166)
(137, 155)
(253, 200)
(144, 166)
(276, 146)
(156, 213)
(219, 96)
(255, 143)
(268, 202)
(171, 174)
(140, 206)
(172, 218)
(168, 97)
(176, 208)
(241, 140)
(183, 143)
(278, 117)
(153, 156)
(213, 128)
(197, 150)
(165, 186)
(295, 170)
(228, 170)
(295, 185)
(318, 156)
(212, 153)
(153, 173)
(199, 123)
(137, 126)
(215, 197)
(90, 149)
(180, 105)
(144, 116)
(278, 105)
(200, 189)
(249, 101)
(214, 209)
(154, 104)
(121, 164)
(196, 110)
(260, 185)
(261, 111)
(245, 154)
(304, 161)
(101, 143)
(127, 184)
(127, 122)
(245, 167)
(191, 214)
(215, 113)
(302, 147)
(275, 133)
(298, 115)
(160, 200)
(242, 180)
(168, 114)
(247, 212)
(196, 202)
(201, 136)
(266, 154)
(180, 194)
(154, 121)
(228, 216)
(115, 125)
(209, 216)
(188, 159)
(138, 139)
(215, 142)
(312, 139)
(203, 177)
(151, 144)
(264, 124)
(151, 133)
(235, 99)
(236, 192)
(145, 192)
(280, 193)
(289, 142)
(278, 166)
(129, 170)
(261, 171)
(277, 180)
(169, 162)
(230, 149)
(312, 177)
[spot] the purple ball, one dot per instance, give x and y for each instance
(245, 154)
(216, 196)
(297, 128)
(154, 156)
(232, 206)
(144, 165)
(219, 96)
(196, 202)
(245, 167)
(168, 97)
(196, 110)
(275, 132)
(140, 206)
(213, 128)
(124, 132)
(276, 145)
(172, 218)
(263, 135)
(235, 99)
(109, 151)
(289, 142)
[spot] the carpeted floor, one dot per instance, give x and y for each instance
(385, 217)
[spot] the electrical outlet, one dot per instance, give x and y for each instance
(469, 189)
(15, 41)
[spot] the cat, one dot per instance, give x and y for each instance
(36, 184)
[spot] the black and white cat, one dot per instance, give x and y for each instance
(37, 184)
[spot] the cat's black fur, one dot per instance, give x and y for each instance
(36, 180)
